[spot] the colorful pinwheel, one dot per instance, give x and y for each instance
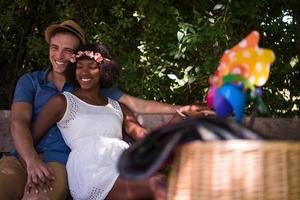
(241, 71)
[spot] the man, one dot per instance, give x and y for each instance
(32, 92)
(49, 156)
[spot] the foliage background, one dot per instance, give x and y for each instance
(167, 48)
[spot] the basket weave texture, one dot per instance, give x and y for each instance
(236, 170)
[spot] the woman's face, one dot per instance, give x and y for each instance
(88, 73)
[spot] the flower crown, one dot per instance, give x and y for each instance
(93, 55)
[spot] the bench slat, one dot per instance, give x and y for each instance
(269, 126)
(6, 143)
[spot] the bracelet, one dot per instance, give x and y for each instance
(181, 114)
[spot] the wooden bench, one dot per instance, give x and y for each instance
(6, 143)
(269, 126)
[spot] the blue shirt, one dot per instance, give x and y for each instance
(35, 89)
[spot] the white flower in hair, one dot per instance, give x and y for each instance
(73, 58)
(98, 57)
(89, 54)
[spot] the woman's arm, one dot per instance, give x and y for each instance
(52, 112)
(130, 124)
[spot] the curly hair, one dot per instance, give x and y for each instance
(109, 69)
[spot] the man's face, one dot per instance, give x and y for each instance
(62, 46)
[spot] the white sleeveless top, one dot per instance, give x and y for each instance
(94, 134)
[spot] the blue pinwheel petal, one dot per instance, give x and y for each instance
(235, 97)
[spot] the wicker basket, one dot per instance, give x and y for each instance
(236, 169)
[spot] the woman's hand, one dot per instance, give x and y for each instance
(39, 176)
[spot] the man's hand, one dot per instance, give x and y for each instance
(194, 110)
(191, 111)
(39, 176)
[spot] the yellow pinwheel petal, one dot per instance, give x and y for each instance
(247, 60)
(254, 63)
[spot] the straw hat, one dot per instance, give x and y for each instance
(69, 25)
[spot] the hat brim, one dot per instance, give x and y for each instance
(53, 27)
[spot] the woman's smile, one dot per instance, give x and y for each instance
(85, 79)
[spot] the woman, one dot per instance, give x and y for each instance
(91, 125)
